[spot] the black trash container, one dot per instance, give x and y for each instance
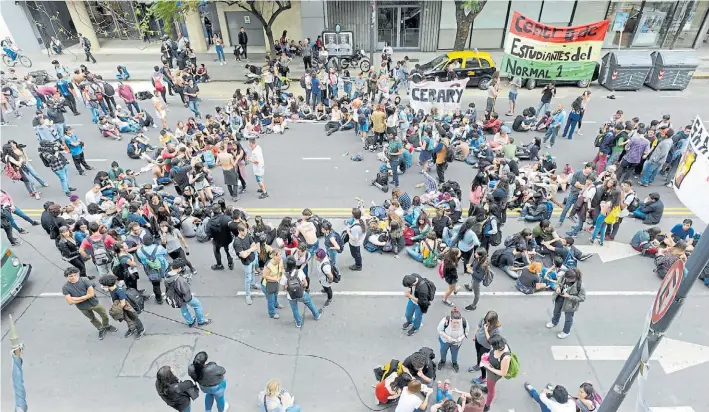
(672, 69)
(624, 70)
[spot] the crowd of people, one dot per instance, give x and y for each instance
(125, 228)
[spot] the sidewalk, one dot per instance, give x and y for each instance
(140, 61)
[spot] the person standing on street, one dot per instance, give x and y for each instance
(243, 41)
(657, 158)
(179, 295)
(488, 327)
(245, 248)
(70, 251)
(327, 274)
(441, 153)
(175, 393)
(357, 235)
(259, 166)
(120, 300)
(567, 297)
(557, 120)
(515, 84)
(272, 273)
(65, 88)
(420, 292)
(99, 248)
(294, 284)
(86, 45)
(548, 92)
(218, 230)
(210, 378)
(126, 93)
(480, 269)
(332, 242)
(574, 117)
(635, 151)
(54, 113)
(497, 365)
(576, 185)
(80, 292)
(452, 330)
(192, 92)
(76, 149)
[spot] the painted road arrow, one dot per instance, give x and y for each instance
(610, 250)
(673, 355)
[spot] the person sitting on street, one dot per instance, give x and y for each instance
(493, 124)
(649, 241)
(530, 280)
(683, 231)
(108, 129)
(651, 210)
(122, 73)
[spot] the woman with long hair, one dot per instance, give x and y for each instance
(450, 272)
(276, 399)
(15, 158)
(177, 394)
(588, 399)
(69, 249)
(488, 327)
(479, 267)
(477, 191)
(210, 378)
(567, 297)
(497, 365)
(272, 273)
(466, 240)
(174, 242)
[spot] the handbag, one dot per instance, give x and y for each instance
(12, 172)
(271, 287)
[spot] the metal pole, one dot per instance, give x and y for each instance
(695, 264)
(372, 28)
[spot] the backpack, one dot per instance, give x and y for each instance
(173, 298)
(209, 159)
(496, 238)
(450, 156)
(549, 210)
(158, 82)
(570, 261)
(153, 266)
(136, 300)
(12, 172)
(383, 372)
(302, 81)
(101, 254)
(293, 286)
(87, 43)
(634, 204)
(201, 231)
(599, 139)
(513, 370)
(108, 89)
(431, 259)
(334, 271)
(496, 257)
(317, 221)
(378, 211)
(339, 241)
(465, 324)
(488, 277)
(408, 236)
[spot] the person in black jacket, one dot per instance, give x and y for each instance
(176, 394)
(218, 230)
(210, 378)
(420, 292)
(651, 211)
(69, 249)
(243, 41)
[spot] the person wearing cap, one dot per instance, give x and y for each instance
(179, 293)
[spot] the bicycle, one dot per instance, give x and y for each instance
(19, 57)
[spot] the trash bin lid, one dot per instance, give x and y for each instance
(679, 58)
(633, 58)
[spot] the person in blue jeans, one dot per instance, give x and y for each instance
(293, 300)
(557, 120)
(599, 229)
(452, 331)
(332, 242)
(574, 117)
(395, 149)
(181, 291)
(552, 398)
(576, 185)
(210, 378)
(245, 249)
(271, 280)
(568, 295)
(419, 292)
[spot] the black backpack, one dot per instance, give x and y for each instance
(497, 257)
(293, 285)
(465, 324)
(317, 221)
(450, 156)
(336, 277)
(136, 300)
(108, 89)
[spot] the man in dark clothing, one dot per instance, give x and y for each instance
(54, 113)
(651, 210)
(86, 45)
(65, 88)
(243, 41)
(179, 175)
(218, 230)
(420, 292)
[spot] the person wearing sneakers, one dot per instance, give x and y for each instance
(294, 284)
(357, 235)
(552, 399)
(270, 284)
(452, 330)
(120, 298)
(328, 271)
(488, 327)
(80, 292)
(256, 159)
(420, 292)
(567, 297)
(179, 295)
(245, 248)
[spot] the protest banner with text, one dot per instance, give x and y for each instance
(691, 181)
(445, 96)
(536, 50)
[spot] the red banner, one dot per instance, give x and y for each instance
(525, 27)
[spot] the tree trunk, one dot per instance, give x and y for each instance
(269, 39)
(465, 22)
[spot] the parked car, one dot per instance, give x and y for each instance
(477, 66)
(14, 275)
(532, 83)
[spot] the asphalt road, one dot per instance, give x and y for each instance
(362, 327)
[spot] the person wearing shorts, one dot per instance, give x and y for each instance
(515, 84)
(259, 166)
(160, 109)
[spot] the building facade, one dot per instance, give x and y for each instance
(404, 24)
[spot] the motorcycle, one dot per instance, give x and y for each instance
(357, 59)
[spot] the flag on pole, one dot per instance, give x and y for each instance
(18, 379)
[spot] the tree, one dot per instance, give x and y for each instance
(266, 12)
(465, 13)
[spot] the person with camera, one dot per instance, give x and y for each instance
(179, 295)
(52, 156)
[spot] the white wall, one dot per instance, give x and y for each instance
(15, 23)
(558, 12)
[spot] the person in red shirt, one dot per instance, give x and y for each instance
(101, 256)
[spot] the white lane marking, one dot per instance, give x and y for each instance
(316, 158)
(8, 125)
(96, 160)
(365, 293)
(74, 124)
(589, 121)
(671, 409)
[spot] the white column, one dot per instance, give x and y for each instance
(195, 31)
(82, 22)
(221, 16)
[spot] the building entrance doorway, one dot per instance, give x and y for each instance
(400, 26)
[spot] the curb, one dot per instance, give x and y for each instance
(701, 76)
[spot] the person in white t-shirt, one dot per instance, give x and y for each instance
(410, 401)
(291, 271)
(256, 160)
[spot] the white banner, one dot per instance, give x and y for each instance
(445, 96)
(691, 180)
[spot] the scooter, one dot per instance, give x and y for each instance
(357, 59)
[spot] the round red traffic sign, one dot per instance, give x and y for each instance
(668, 290)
